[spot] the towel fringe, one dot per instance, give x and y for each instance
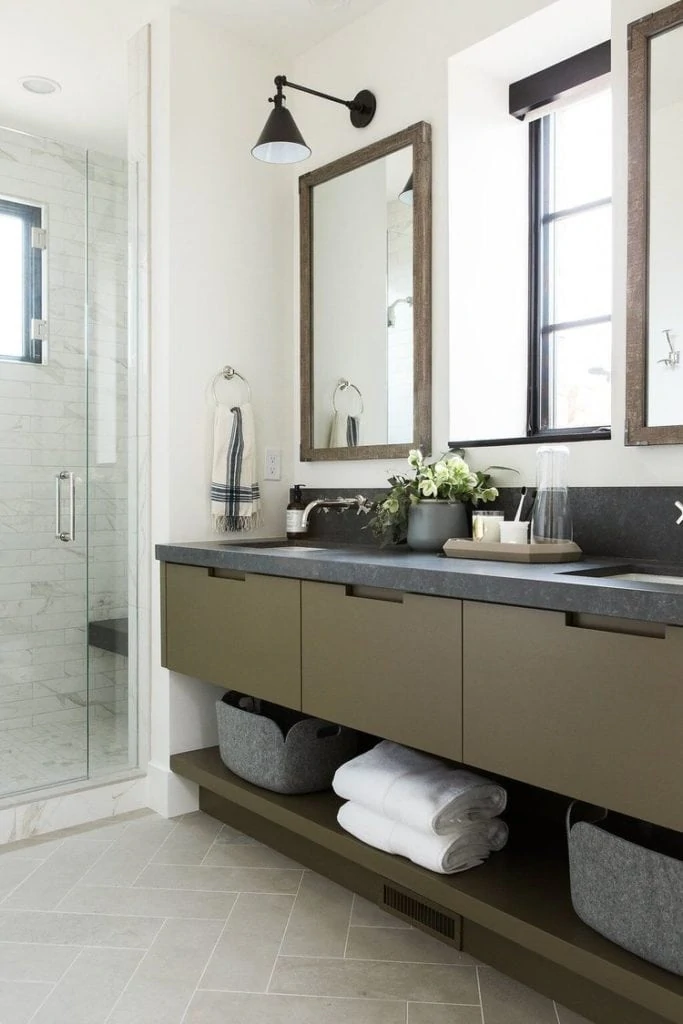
(232, 524)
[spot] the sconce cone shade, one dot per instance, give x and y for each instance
(406, 196)
(281, 142)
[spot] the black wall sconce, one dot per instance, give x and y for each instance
(406, 194)
(281, 142)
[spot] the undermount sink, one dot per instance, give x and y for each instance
(647, 577)
(274, 545)
(634, 574)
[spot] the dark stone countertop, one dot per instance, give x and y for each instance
(556, 587)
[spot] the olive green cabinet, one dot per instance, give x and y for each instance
(384, 662)
(581, 705)
(238, 630)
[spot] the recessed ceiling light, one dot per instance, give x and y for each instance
(329, 5)
(41, 86)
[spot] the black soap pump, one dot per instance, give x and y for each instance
(295, 514)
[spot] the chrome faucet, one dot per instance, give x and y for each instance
(360, 503)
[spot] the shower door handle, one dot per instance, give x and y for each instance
(71, 533)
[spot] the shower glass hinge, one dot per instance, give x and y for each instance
(39, 330)
(39, 238)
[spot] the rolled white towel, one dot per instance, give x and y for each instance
(416, 789)
(467, 846)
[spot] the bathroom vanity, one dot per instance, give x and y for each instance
(562, 680)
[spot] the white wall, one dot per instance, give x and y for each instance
(403, 56)
(221, 293)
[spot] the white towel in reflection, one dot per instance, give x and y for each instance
(344, 431)
(466, 846)
(417, 790)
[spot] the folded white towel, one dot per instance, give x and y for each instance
(416, 789)
(468, 845)
(235, 497)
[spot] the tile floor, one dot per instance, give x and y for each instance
(148, 921)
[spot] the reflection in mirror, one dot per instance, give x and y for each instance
(665, 258)
(363, 309)
(365, 301)
(654, 372)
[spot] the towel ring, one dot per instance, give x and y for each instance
(228, 373)
(344, 385)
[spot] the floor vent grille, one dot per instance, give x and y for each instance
(421, 913)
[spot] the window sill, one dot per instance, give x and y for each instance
(555, 436)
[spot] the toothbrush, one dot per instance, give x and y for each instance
(518, 514)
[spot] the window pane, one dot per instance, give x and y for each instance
(581, 358)
(11, 286)
(581, 266)
(582, 136)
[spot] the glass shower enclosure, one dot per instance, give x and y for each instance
(67, 529)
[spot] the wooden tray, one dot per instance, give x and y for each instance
(465, 547)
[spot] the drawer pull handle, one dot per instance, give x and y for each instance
(374, 593)
(610, 624)
(228, 574)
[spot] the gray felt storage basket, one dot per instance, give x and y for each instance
(628, 892)
(280, 750)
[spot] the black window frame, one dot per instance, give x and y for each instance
(31, 217)
(541, 326)
(525, 96)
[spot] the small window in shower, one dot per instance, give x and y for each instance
(21, 282)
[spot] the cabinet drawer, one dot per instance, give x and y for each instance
(384, 662)
(240, 631)
(590, 712)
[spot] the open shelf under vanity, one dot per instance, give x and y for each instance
(513, 912)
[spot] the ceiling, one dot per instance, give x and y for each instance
(286, 27)
(82, 45)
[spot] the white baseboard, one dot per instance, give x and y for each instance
(168, 794)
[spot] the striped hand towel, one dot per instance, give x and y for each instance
(344, 431)
(235, 496)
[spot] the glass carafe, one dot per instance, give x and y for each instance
(551, 519)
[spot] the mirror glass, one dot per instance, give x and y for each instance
(665, 229)
(363, 308)
(366, 301)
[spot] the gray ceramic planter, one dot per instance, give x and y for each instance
(433, 521)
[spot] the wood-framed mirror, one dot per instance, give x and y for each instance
(365, 278)
(654, 366)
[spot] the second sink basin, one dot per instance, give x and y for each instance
(647, 577)
(658, 575)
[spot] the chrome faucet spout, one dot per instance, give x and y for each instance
(359, 502)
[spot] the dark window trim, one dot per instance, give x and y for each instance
(31, 217)
(555, 436)
(545, 86)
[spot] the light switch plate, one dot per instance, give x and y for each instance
(272, 469)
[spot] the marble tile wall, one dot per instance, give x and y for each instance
(42, 430)
(43, 412)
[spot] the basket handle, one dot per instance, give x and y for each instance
(568, 817)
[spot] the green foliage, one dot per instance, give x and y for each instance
(450, 479)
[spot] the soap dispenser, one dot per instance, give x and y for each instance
(295, 514)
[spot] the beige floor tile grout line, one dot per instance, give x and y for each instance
(284, 933)
(481, 1001)
(209, 959)
(213, 843)
(325, 995)
(377, 960)
(39, 864)
(54, 987)
(141, 962)
(154, 854)
(348, 927)
(557, 1012)
(108, 847)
